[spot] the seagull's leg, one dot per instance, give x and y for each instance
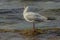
(33, 26)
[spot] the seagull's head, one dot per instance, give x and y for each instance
(32, 9)
(25, 9)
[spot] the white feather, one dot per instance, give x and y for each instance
(32, 16)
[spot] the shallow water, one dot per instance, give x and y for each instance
(16, 36)
(15, 23)
(21, 24)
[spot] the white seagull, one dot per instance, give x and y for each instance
(32, 16)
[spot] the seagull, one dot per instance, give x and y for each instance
(32, 16)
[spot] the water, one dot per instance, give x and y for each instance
(11, 18)
(16, 36)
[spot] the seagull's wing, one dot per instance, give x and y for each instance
(40, 18)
